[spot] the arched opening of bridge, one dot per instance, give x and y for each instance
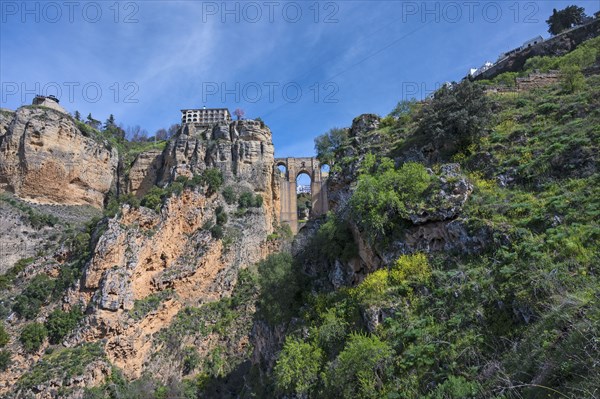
(303, 196)
(282, 168)
(325, 168)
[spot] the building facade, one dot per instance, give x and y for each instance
(205, 116)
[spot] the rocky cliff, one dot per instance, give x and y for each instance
(147, 267)
(242, 150)
(45, 158)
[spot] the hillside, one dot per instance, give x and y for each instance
(459, 259)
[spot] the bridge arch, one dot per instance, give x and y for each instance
(288, 188)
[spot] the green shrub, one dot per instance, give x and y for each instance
(246, 200)
(572, 79)
(221, 217)
(384, 197)
(191, 360)
(217, 232)
(141, 307)
(154, 198)
(5, 360)
(4, 337)
(213, 178)
(8, 278)
(32, 336)
(60, 323)
(456, 117)
(297, 369)
(62, 365)
(361, 369)
(334, 239)
(28, 304)
(280, 287)
(411, 269)
(229, 195)
(456, 388)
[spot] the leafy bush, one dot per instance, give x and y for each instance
(191, 360)
(4, 337)
(213, 178)
(297, 369)
(456, 388)
(60, 323)
(62, 364)
(217, 232)
(411, 269)
(32, 336)
(5, 360)
(456, 116)
(572, 79)
(280, 287)
(334, 239)
(330, 144)
(141, 307)
(248, 200)
(28, 304)
(385, 195)
(361, 369)
(7, 279)
(221, 216)
(153, 198)
(229, 195)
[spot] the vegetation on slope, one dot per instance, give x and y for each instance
(520, 319)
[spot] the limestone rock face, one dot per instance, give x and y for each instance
(242, 150)
(44, 158)
(446, 203)
(144, 172)
(171, 254)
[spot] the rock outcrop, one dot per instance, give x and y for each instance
(242, 150)
(46, 159)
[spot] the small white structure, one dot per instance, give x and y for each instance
(532, 42)
(478, 71)
(303, 189)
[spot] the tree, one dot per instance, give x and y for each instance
(297, 369)
(403, 110)
(110, 122)
(280, 287)
(29, 302)
(361, 369)
(161, 134)
(173, 129)
(565, 19)
(456, 116)
(77, 116)
(137, 134)
(93, 122)
(213, 178)
(330, 143)
(239, 113)
(571, 78)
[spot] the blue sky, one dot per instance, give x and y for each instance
(303, 67)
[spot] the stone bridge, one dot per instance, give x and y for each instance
(318, 188)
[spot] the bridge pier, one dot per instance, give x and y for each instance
(288, 187)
